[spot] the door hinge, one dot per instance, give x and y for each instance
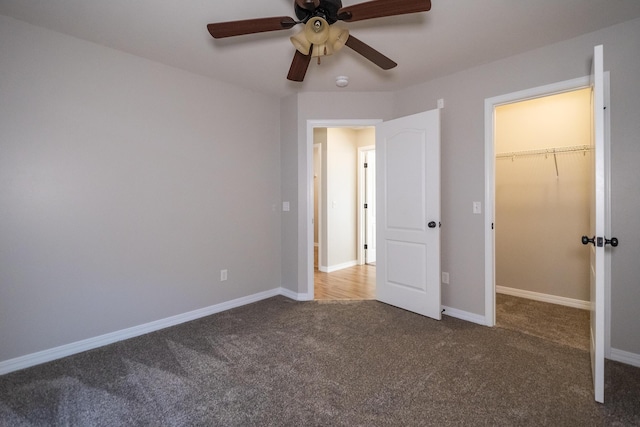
(366, 205)
(366, 246)
(366, 165)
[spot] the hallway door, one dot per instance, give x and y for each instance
(408, 189)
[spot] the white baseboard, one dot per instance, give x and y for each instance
(627, 357)
(464, 315)
(295, 295)
(49, 355)
(44, 356)
(332, 268)
(553, 299)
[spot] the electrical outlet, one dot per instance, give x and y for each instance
(223, 275)
(445, 278)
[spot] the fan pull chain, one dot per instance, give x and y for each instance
(324, 53)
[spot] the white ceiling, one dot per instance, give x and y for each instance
(454, 35)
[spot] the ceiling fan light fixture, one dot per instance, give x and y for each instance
(319, 38)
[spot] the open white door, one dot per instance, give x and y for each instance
(370, 203)
(408, 189)
(597, 226)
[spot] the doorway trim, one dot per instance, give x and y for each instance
(489, 107)
(362, 259)
(311, 124)
(317, 205)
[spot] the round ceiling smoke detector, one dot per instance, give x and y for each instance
(342, 81)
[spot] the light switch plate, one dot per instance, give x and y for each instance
(445, 278)
(477, 207)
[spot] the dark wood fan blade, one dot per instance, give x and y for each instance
(370, 53)
(308, 4)
(299, 66)
(250, 26)
(380, 8)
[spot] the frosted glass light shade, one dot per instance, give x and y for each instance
(338, 37)
(301, 43)
(319, 38)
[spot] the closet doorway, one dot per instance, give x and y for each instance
(542, 184)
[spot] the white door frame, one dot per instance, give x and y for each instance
(308, 166)
(489, 106)
(361, 197)
(318, 220)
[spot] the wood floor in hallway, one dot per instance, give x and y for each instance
(353, 283)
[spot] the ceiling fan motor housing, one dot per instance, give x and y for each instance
(328, 10)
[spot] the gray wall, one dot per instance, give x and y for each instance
(463, 170)
(289, 177)
(125, 186)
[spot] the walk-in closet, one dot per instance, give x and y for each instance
(542, 165)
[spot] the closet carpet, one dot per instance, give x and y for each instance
(557, 323)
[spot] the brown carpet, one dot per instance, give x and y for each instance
(557, 323)
(284, 363)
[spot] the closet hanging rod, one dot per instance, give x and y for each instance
(545, 151)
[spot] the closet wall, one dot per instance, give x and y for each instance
(542, 195)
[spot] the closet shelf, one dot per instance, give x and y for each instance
(545, 151)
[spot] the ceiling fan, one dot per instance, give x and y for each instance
(320, 36)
